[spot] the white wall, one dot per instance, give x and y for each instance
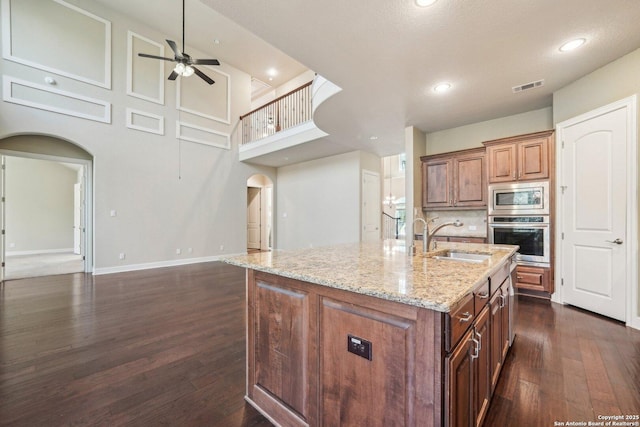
(167, 194)
(39, 207)
(319, 201)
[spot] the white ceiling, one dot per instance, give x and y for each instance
(388, 54)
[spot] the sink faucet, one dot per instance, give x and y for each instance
(425, 231)
(429, 233)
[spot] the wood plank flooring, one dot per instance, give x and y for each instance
(167, 347)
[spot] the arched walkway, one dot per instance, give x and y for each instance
(47, 185)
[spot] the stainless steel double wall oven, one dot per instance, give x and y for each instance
(519, 215)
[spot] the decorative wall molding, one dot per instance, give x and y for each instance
(132, 60)
(221, 89)
(202, 135)
(33, 95)
(143, 118)
(54, 46)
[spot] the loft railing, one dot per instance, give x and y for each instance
(284, 112)
(390, 226)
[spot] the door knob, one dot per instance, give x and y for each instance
(617, 241)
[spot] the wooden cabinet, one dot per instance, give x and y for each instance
(317, 356)
(520, 158)
(500, 322)
(534, 278)
(468, 376)
(454, 180)
(301, 369)
(482, 368)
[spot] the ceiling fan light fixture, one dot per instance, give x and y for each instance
(188, 70)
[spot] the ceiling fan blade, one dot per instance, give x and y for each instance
(203, 76)
(146, 55)
(174, 48)
(205, 62)
(173, 75)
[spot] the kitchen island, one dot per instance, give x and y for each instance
(363, 334)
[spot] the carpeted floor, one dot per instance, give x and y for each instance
(21, 266)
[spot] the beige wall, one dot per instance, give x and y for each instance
(616, 80)
(472, 136)
(318, 202)
(39, 207)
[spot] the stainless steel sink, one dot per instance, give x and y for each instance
(463, 256)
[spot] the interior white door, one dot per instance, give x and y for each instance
(371, 209)
(77, 230)
(594, 191)
(2, 222)
(253, 217)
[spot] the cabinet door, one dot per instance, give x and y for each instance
(459, 383)
(482, 368)
(279, 351)
(437, 176)
(351, 382)
(533, 159)
(502, 162)
(470, 187)
(496, 337)
(505, 319)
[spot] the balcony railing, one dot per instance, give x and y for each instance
(284, 112)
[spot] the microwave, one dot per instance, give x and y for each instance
(521, 198)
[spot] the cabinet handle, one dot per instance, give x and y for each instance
(479, 340)
(467, 317)
(483, 296)
(519, 277)
(502, 301)
(476, 349)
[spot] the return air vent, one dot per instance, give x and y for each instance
(527, 86)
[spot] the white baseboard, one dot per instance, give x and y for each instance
(39, 252)
(160, 264)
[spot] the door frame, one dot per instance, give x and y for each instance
(89, 248)
(632, 318)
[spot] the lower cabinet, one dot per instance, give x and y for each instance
(499, 308)
(468, 373)
(534, 278)
(321, 356)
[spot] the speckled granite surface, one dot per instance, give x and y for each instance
(383, 269)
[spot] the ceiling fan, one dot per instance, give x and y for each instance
(185, 64)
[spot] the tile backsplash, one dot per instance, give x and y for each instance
(475, 222)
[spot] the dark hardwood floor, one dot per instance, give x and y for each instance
(167, 347)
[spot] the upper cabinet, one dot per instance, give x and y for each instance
(454, 180)
(519, 158)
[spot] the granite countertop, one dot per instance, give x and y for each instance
(384, 270)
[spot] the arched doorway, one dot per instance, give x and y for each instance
(259, 213)
(50, 232)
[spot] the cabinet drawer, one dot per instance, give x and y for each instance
(533, 278)
(458, 321)
(480, 297)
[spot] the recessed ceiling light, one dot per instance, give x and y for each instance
(216, 41)
(373, 138)
(425, 3)
(573, 44)
(442, 87)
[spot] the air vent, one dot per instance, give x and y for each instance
(527, 86)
